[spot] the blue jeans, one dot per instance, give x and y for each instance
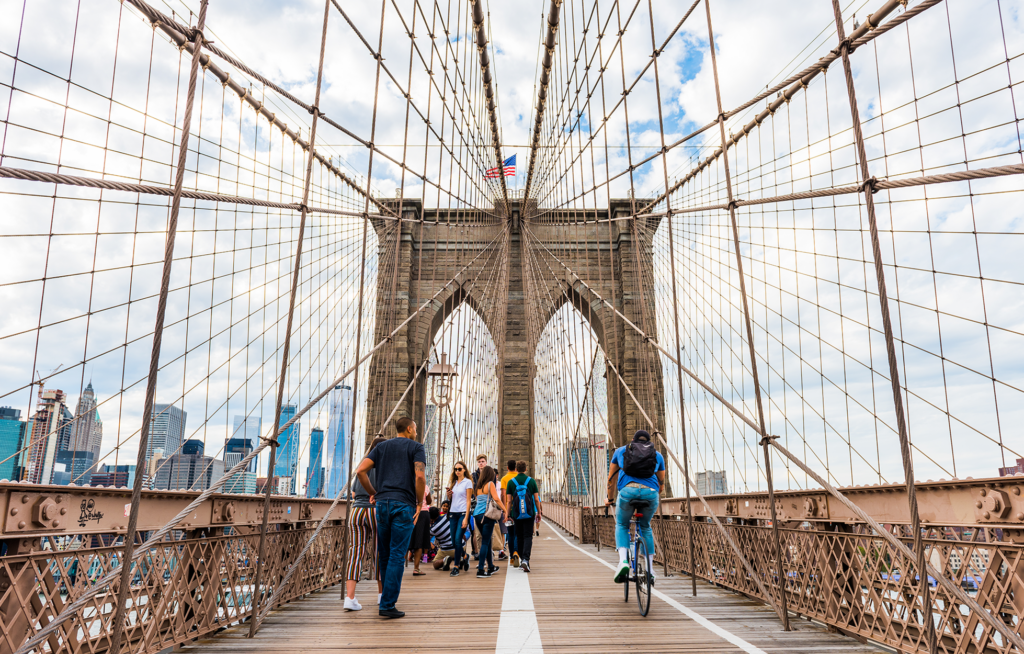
(486, 555)
(458, 538)
(623, 513)
(394, 529)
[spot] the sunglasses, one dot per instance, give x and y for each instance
(460, 470)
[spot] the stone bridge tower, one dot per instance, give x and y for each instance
(614, 258)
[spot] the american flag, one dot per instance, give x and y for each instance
(510, 169)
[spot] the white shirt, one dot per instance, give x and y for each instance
(459, 495)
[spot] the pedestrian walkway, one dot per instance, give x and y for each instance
(568, 604)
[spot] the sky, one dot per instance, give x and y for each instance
(100, 261)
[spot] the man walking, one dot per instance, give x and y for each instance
(398, 494)
(523, 506)
(509, 525)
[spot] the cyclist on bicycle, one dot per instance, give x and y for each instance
(638, 474)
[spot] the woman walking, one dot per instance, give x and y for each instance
(362, 539)
(486, 492)
(460, 487)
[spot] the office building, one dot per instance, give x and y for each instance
(1013, 470)
(60, 476)
(712, 483)
(114, 476)
(245, 434)
(189, 470)
(50, 421)
(80, 465)
(87, 432)
(287, 463)
(235, 450)
(430, 429)
(588, 466)
(166, 429)
(315, 470)
(339, 427)
(13, 432)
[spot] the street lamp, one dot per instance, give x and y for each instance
(441, 377)
(549, 463)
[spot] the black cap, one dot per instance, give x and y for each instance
(641, 434)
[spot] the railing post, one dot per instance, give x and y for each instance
(124, 587)
(890, 342)
(780, 562)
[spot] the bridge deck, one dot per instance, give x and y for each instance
(567, 604)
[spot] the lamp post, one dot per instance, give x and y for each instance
(441, 375)
(441, 380)
(549, 463)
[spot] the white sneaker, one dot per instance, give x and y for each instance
(353, 605)
(622, 574)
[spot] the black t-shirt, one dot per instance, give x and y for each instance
(394, 461)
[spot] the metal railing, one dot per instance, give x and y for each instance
(198, 581)
(837, 571)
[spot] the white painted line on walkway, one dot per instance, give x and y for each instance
(517, 630)
(688, 612)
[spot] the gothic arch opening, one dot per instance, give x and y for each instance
(571, 438)
(468, 425)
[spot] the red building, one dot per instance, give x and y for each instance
(1013, 470)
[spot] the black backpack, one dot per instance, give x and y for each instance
(640, 460)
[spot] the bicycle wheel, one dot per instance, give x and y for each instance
(625, 584)
(642, 578)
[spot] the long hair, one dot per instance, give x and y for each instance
(377, 440)
(454, 478)
(486, 475)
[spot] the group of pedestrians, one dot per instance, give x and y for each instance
(481, 503)
(391, 515)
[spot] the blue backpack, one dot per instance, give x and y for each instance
(522, 500)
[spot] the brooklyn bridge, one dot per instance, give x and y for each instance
(242, 239)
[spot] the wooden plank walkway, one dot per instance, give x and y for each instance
(577, 607)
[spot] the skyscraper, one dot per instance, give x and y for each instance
(339, 427)
(114, 476)
(78, 464)
(87, 433)
(13, 432)
(430, 428)
(287, 464)
(166, 429)
(47, 426)
(712, 482)
(244, 436)
(315, 471)
(189, 470)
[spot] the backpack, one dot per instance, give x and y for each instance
(522, 500)
(639, 460)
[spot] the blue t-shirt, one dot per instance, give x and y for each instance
(395, 463)
(624, 479)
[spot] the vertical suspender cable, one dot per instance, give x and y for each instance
(154, 360)
(675, 315)
(285, 350)
(765, 439)
(890, 344)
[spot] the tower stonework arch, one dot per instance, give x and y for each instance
(433, 245)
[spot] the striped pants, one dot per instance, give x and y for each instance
(362, 542)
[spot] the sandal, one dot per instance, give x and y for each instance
(418, 573)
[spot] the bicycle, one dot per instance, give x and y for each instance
(637, 558)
